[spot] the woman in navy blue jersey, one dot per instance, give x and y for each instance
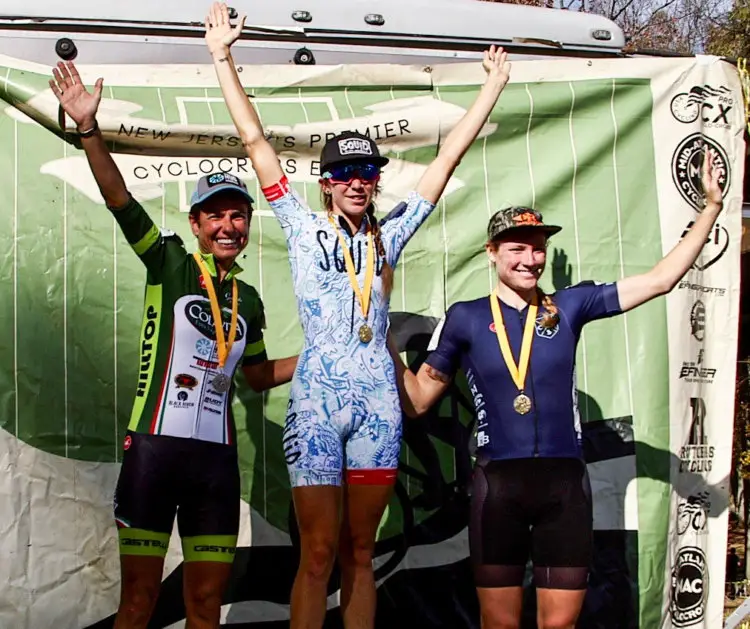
(530, 493)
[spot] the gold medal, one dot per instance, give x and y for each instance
(522, 402)
(365, 331)
(224, 346)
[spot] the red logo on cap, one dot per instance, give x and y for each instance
(126, 443)
(527, 218)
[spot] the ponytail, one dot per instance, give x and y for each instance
(386, 274)
(550, 316)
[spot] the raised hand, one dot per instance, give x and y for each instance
(711, 177)
(220, 34)
(77, 102)
(496, 65)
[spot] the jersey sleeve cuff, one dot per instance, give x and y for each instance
(254, 359)
(441, 364)
(611, 298)
(277, 191)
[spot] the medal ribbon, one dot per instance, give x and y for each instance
(364, 299)
(517, 372)
(224, 346)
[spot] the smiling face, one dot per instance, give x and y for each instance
(351, 187)
(519, 257)
(221, 224)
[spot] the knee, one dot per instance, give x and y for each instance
(137, 601)
(356, 553)
(317, 557)
(499, 618)
(556, 622)
(203, 601)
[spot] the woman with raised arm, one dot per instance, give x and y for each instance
(344, 413)
(530, 492)
(200, 323)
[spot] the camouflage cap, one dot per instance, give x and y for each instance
(517, 218)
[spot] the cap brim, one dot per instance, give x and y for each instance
(549, 230)
(378, 161)
(221, 188)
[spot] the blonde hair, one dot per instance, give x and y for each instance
(386, 272)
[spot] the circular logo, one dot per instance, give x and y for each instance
(203, 347)
(689, 587)
(686, 167)
(684, 108)
(543, 331)
(698, 320)
(182, 396)
(493, 329)
(126, 444)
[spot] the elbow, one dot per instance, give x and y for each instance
(662, 284)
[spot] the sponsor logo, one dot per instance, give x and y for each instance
(716, 246)
(206, 364)
(703, 290)
(127, 443)
(697, 371)
(214, 548)
(182, 396)
(692, 513)
(545, 332)
(147, 350)
(689, 587)
(482, 424)
(220, 178)
(202, 282)
(211, 410)
(185, 381)
(213, 401)
(198, 313)
(355, 146)
(697, 455)
(143, 543)
(203, 347)
(698, 321)
(686, 167)
(711, 104)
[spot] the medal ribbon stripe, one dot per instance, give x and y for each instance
(522, 403)
(363, 295)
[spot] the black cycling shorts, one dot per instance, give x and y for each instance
(198, 481)
(537, 508)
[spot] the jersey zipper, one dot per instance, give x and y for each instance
(530, 377)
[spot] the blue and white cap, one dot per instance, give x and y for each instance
(209, 185)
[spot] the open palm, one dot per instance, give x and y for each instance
(496, 64)
(77, 102)
(711, 177)
(220, 34)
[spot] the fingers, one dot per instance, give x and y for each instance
(213, 15)
(55, 90)
(73, 72)
(224, 13)
(240, 23)
(98, 87)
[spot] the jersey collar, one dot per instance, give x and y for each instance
(345, 225)
(208, 258)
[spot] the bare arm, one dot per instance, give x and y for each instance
(220, 35)
(418, 392)
(433, 182)
(81, 106)
(638, 289)
(270, 373)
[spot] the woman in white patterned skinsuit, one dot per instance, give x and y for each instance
(344, 413)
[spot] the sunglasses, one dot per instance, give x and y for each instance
(346, 172)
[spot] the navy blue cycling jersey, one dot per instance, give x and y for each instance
(468, 340)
